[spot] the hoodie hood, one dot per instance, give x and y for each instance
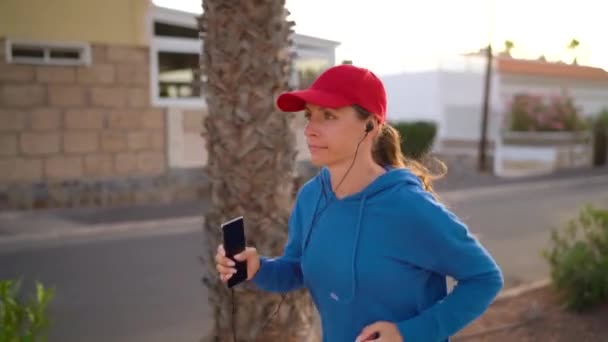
(393, 177)
(382, 254)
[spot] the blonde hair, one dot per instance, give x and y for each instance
(387, 152)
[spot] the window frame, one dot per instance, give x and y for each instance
(303, 46)
(84, 50)
(172, 45)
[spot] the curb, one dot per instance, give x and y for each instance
(510, 188)
(160, 226)
(522, 289)
(510, 293)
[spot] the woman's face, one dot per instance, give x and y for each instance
(332, 135)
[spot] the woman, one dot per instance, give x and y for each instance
(367, 237)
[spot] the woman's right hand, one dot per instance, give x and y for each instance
(226, 268)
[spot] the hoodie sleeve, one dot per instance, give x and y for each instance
(283, 273)
(443, 244)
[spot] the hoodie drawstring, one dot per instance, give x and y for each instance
(354, 256)
(315, 216)
(391, 178)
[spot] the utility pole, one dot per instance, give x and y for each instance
(482, 165)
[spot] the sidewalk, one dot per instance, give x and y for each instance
(56, 223)
(461, 181)
(18, 226)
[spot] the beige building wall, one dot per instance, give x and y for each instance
(188, 149)
(96, 132)
(76, 20)
(76, 123)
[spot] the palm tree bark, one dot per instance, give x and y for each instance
(251, 159)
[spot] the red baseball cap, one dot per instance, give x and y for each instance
(340, 86)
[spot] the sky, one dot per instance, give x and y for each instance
(392, 36)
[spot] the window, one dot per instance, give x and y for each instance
(174, 59)
(308, 69)
(49, 53)
(312, 57)
(174, 69)
(178, 75)
(168, 30)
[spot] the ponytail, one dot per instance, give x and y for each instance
(387, 147)
(387, 152)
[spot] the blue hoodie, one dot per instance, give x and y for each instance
(382, 254)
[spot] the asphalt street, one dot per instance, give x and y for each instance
(515, 223)
(143, 285)
(131, 287)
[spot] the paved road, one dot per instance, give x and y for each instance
(144, 285)
(136, 288)
(514, 223)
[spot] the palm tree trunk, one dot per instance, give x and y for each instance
(251, 159)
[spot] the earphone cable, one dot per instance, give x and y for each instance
(268, 320)
(233, 315)
(283, 296)
(352, 163)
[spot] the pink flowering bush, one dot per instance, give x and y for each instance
(528, 112)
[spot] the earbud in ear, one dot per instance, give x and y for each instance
(369, 127)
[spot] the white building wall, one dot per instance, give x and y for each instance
(413, 96)
(462, 102)
(452, 96)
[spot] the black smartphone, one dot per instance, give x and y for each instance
(234, 243)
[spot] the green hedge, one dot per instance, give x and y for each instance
(417, 137)
(599, 124)
(600, 121)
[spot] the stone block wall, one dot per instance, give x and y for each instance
(187, 148)
(91, 126)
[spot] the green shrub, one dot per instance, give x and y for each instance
(23, 321)
(417, 137)
(601, 120)
(600, 137)
(579, 260)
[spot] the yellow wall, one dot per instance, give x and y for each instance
(96, 21)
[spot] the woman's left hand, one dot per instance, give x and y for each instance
(388, 333)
